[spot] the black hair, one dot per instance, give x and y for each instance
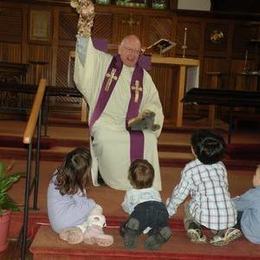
(209, 147)
(73, 174)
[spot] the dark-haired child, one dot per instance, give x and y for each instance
(205, 180)
(73, 215)
(144, 205)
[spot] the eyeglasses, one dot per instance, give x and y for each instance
(136, 52)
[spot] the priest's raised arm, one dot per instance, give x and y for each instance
(117, 89)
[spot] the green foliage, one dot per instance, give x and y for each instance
(6, 182)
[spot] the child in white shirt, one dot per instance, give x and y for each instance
(144, 205)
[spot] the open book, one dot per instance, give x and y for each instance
(161, 46)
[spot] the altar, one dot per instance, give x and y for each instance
(187, 78)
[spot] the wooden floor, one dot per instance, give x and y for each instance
(239, 180)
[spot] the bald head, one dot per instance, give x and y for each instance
(131, 39)
(129, 50)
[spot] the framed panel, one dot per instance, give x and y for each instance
(40, 25)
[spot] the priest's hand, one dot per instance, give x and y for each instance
(85, 9)
(144, 121)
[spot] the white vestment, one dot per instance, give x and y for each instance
(110, 147)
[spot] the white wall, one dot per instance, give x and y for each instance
(200, 5)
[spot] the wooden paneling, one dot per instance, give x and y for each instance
(103, 26)
(218, 48)
(243, 33)
(194, 36)
(124, 24)
(240, 81)
(113, 23)
(62, 77)
(67, 26)
(157, 28)
(165, 80)
(10, 24)
(10, 52)
(43, 55)
(62, 68)
(216, 65)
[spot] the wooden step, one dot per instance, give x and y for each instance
(47, 245)
(167, 159)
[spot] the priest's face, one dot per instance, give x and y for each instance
(129, 50)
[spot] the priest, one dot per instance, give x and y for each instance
(118, 90)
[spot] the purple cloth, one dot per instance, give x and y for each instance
(136, 138)
(100, 44)
(145, 62)
(133, 107)
(104, 95)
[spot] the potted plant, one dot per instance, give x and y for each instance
(7, 204)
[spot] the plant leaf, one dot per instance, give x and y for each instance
(8, 203)
(2, 169)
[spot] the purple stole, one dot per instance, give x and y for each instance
(108, 85)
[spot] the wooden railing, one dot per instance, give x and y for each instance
(35, 119)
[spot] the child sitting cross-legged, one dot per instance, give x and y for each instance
(74, 216)
(144, 205)
(205, 180)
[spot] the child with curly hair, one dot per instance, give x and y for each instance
(73, 215)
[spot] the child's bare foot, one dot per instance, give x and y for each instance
(72, 235)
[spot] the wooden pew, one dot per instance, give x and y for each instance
(222, 97)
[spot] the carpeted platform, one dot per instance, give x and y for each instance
(47, 245)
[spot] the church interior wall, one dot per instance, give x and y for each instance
(44, 31)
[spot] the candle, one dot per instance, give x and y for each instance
(245, 64)
(184, 46)
(185, 36)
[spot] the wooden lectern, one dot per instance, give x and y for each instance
(186, 67)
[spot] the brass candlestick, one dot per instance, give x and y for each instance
(184, 46)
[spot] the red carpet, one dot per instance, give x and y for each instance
(47, 245)
(37, 219)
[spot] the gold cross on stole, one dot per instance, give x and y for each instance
(110, 78)
(137, 88)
